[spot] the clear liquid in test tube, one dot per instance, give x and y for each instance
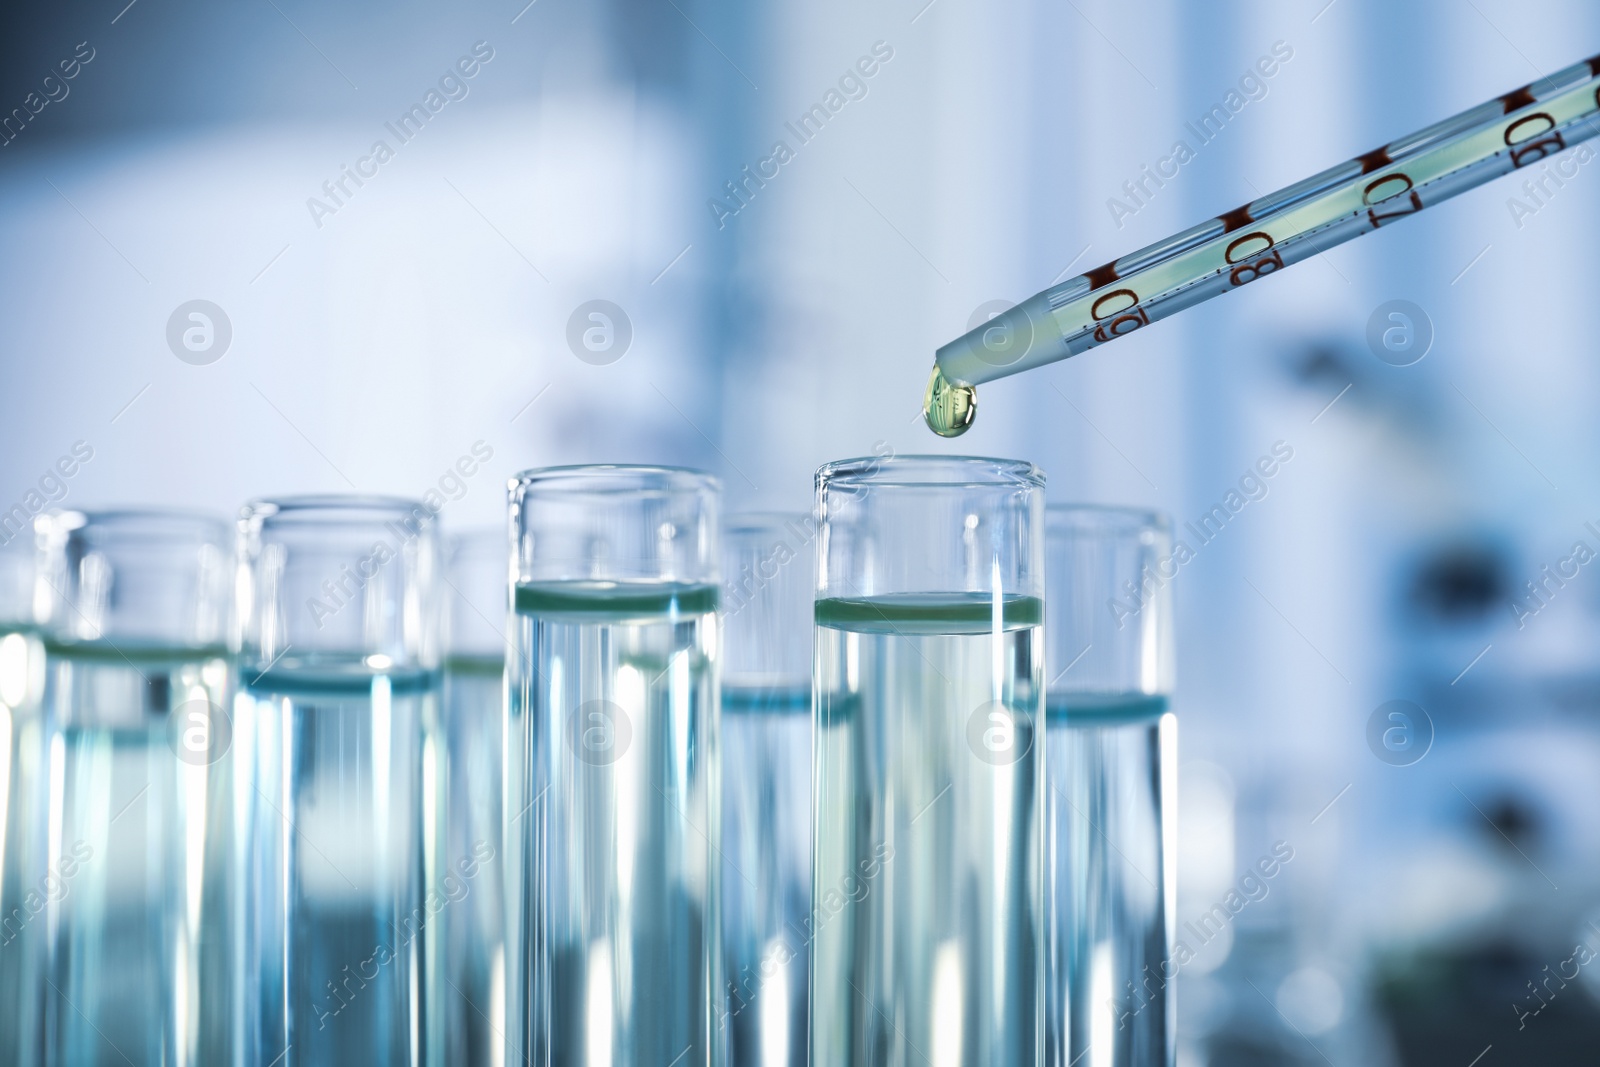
(612, 769)
(768, 570)
(140, 782)
(349, 892)
(929, 698)
(1109, 807)
(477, 598)
(23, 808)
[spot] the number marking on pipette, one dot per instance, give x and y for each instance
(1252, 264)
(1373, 196)
(1124, 319)
(1546, 146)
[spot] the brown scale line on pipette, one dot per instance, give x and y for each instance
(1523, 97)
(1102, 275)
(1237, 219)
(1376, 159)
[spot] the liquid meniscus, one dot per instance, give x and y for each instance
(929, 613)
(615, 598)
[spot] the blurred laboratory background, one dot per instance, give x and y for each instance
(278, 246)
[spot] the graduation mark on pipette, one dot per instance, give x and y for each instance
(1266, 235)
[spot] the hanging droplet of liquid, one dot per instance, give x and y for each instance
(948, 409)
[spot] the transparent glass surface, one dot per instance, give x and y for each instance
(928, 682)
(138, 872)
(768, 564)
(25, 884)
(23, 822)
(348, 880)
(478, 575)
(1111, 746)
(612, 772)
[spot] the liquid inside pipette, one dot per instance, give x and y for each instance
(1516, 130)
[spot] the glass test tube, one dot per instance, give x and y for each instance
(612, 773)
(476, 607)
(767, 568)
(1111, 756)
(23, 809)
(346, 877)
(929, 692)
(139, 870)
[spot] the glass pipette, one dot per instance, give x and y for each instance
(1266, 235)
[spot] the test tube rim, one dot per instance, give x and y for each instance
(161, 541)
(1105, 518)
(134, 524)
(870, 471)
(329, 509)
(589, 478)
